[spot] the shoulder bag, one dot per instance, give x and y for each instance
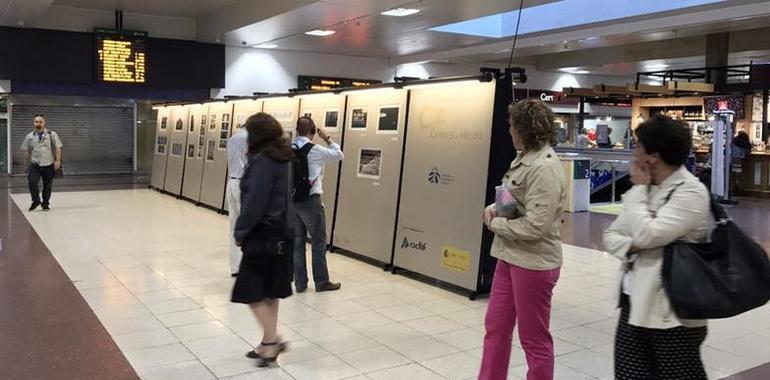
(722, 278)
(59, 172)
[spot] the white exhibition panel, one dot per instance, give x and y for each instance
(215, 154)
(195, 151)
(242, 109)
(177, 132)
(328, 111)
(160, 156)
(439, 230)
(285, 110)
(368, 193)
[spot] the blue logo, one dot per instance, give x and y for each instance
(434, 176)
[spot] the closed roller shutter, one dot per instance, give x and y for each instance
(97, 140)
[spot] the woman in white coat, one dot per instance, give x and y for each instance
(665, 204)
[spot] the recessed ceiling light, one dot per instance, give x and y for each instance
(266, 46)
(654, 66)
(320, 32)
(400, 12)
(574, 70)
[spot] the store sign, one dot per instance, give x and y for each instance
(550, 97)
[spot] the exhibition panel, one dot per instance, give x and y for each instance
(215, 155)
(196, 143)
(371, 172)
(161, 149)
(242, 109)
(177, 138)
(284, 109)
(327, 110)
(439, 230)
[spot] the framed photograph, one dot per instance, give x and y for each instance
(369, 163)
(213, 122)
(358, 119)
(239, 121)
(201, 143)
(226, 118)
(331, 119)
(388, 122)
(176, 149)
(190, 150)
(210, 150)
(179, 125)
(163, 123)
(204, 123)
(192, 124)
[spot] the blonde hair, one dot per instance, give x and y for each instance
(534, 122)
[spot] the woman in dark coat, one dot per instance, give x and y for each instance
(264, 276)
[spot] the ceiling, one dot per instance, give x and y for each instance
(619, 47)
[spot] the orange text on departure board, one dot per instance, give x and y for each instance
(121, 61)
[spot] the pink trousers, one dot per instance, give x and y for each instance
(523, 296)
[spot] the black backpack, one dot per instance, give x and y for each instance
(302, 183)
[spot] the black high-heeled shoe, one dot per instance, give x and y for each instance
(282, 347)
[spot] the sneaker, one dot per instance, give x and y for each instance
(328, 287)
(33, 206)
(46, 208)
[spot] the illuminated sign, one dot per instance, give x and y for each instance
(305, 83)
(121, 56)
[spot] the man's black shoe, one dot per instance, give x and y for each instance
(34, 206)
(301, 289)
(328, 287)
(46, 208)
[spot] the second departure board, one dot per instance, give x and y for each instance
(121, 56)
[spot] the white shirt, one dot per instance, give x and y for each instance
(644, 227)
(42, 146)
(317, 159)
(237, 146)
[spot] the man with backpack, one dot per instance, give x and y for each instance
(308, 171)
(42, 160)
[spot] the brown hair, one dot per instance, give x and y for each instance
(534, 122)
(305, 126)
(266, 137)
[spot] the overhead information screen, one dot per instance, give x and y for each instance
(305, 82)
(121, 56)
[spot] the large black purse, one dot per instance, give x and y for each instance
(723, 278)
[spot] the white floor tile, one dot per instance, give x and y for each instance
(188, 317)
(302, 351)
(394, 332)
(403, 313)
(434, 325)
(456, 366)
(146, 339)
(328, 368)
(464, 340)
(364, 320)
(125, 326)
(583, 337)
(590, 363)
(373, 359)
(218, 346)
(410, 371)
(172, 305)
(191, 370)
(200, 331)
(345, 342)
(263, 374)
(159, 356)
(319, 328)
(230, 364)
(421, 349)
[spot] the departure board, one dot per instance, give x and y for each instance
(121, 56)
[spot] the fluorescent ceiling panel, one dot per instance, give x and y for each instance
(564, 14)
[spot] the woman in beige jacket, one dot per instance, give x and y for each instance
(527, 246)
(666, 204)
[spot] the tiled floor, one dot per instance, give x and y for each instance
(155, 272)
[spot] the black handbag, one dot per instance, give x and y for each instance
(720, 279)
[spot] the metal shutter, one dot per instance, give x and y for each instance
(97, 140)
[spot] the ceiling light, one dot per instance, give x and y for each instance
(320, 32)
(400, 12)
(574, 70)
(266, 46)
(654, 66)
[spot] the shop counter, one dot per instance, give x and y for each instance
(755, 179)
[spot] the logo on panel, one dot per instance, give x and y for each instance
(416, 245)
(435, 176)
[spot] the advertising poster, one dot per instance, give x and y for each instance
(358, 120)
(332, 118)
(388, 119)
(210, 150)
(369, 163)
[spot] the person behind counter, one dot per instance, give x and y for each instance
(527, 245)
(583, 142)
